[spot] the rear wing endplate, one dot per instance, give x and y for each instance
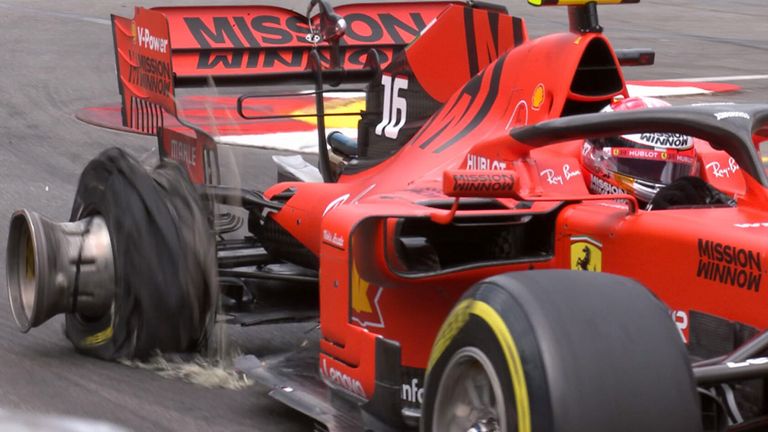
(144, 69)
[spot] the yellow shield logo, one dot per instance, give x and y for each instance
(586, 254)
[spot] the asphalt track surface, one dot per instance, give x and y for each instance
(57, 57)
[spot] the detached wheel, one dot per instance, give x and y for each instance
(164, 260)
(559, 351)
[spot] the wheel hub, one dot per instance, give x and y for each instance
(469, 396)
(56, 268)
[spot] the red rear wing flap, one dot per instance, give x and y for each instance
(264, 39)
(168, 47)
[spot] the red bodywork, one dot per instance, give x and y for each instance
(488, 78)
(350, 224)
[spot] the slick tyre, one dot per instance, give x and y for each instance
(559, 351)
(164, 258)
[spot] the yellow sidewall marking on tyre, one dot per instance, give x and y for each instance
(453, 324)
(98, 338)
(448, 330)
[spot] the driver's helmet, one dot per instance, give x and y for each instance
(637, 164)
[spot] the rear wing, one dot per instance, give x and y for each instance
(166, 48)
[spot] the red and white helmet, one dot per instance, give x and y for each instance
(637, 164)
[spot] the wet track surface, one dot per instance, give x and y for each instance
(57, 57)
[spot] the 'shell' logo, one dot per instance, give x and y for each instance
(537, 99)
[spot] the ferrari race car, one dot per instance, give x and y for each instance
(467, 272)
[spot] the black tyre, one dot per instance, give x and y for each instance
(164, 258)
(559, 351)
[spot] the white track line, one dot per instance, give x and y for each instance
(67, 15)
(722, 78)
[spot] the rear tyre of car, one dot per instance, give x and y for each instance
(164, 260)
(559, 351)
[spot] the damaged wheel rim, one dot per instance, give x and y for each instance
(469, 396)
(54, 268)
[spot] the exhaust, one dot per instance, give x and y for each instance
(55, 268)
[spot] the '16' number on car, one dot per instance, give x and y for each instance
(395, 107)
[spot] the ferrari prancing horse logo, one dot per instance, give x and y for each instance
(586, 254)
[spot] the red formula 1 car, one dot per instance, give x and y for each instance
(465, 271)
